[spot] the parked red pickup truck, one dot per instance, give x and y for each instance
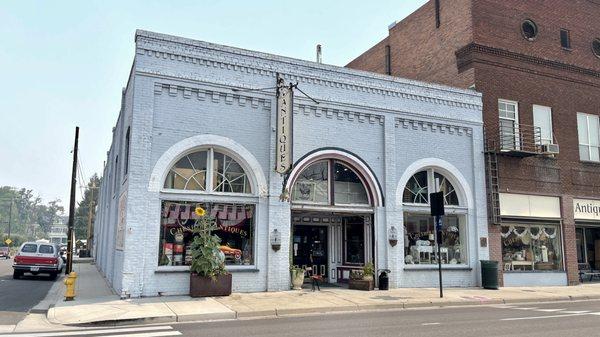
(38, 258)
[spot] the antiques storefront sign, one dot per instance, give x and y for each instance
(586, 209)
(283, 143)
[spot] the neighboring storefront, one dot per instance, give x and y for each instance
(532, 245)
(201, 125)
(587, 232)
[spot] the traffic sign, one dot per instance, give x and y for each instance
(8, 241)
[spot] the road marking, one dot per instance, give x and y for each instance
(576, 312)
(526, 308)
(541, 317)
(434, 323)
(550, 310)
(101, 331)
(150, 334)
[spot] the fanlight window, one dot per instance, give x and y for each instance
(329, 182)
(422, 183)
(208, 170)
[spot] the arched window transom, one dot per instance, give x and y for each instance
(422, 183)
(330, 182)
(208, 170)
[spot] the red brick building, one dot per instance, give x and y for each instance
(537, 64)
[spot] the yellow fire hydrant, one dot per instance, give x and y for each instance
(70, 283)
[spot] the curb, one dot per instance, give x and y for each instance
(273, 313)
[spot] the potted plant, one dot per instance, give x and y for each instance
(208, 276)
(362, 279)
(368, 271)
(297, 274)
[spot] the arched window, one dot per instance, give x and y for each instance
(422, 183)
(208, 170)
(330, 182)
(202, 174)
(419, 226)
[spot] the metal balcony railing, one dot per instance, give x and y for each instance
(514, 139)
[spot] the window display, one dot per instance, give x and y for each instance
(236, 231)
(354, 237)
(531, 247)
(419, 240)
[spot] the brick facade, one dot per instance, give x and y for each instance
(185, 94)
(480, 43)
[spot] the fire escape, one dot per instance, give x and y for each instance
(512, 140)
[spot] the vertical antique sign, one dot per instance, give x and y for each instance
(283, 141)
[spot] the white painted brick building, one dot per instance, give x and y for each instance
(194, 129)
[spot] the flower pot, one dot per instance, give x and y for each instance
(297, 279)
(361, 284)
(201, 286)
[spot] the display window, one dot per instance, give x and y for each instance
(420, 241)
(528, 247)
(236, 230)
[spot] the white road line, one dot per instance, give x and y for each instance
(595, 313)
(540, 317)
(149, 334)
(526, 308)
(90, 332)
(576, 312)
(434, 323)
(550, 310)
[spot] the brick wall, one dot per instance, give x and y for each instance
(483, 44)
(183, 89)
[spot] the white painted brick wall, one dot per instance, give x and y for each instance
(182, 88)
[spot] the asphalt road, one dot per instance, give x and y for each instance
(548, 320)
(555, 319)
(18, 296)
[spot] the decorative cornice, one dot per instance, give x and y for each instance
(464, 57)
(432, 127)
(211, 95)
(339, 114)
(234, 59)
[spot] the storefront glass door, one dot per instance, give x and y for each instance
(309, 248)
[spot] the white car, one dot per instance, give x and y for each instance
(38, 258)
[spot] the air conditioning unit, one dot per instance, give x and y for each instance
(550, 149)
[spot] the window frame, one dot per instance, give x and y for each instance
(567, 36)
(528, 225)
(331, 185)
(535, 124)
(210, 174)
(515, 120)
(588, 144)
(431, 171)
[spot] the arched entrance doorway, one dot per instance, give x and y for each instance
(333, 197)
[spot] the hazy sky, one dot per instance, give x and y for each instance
(63, 63)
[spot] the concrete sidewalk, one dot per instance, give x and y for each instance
(109, 310)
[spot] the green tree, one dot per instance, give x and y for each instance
(24, 210)
(82, 213)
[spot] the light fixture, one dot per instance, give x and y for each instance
(275, 240)
(393, 236)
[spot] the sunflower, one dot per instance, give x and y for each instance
(200, 211)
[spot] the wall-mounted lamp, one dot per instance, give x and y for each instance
(393, 236)
(275, 240)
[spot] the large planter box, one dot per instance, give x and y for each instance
(205, 286)
(361, 284)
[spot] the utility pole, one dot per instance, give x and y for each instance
(9, 216)
(89, 228)
(69, 267)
